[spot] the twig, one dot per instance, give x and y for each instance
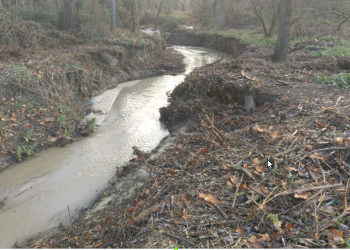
(215, 131)
(293, 221)
(318, 150)
(221, 211)
(237, 187)
(316, 222)
(210, 64)
(70, 219)
(305, 189)
(179, 238)
(237, 167)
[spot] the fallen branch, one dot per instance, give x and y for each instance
(315, 151)
(186, 242)
(298, 191)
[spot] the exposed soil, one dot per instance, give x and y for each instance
(45, 92)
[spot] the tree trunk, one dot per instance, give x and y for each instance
(159, 10)
(281, 49)
(67, 16)
(133, 16)
(29, 4)
(219, 13)
(113, 15)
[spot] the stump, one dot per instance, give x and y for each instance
(249, 103)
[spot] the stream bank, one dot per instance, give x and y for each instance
(189, 37)
(54, 187)
(208, 185)
(44, 92)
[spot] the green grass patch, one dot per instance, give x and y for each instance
(332, 52)
(337, 80)
(249, 38)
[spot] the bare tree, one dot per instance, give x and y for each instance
(131, 6)
(67, 16)
(274, 7)
(159, 7)
(113, 16)
(281, 49)
(219, 13)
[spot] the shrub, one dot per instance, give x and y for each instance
(170, 26)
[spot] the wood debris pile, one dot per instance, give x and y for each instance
(213, 189)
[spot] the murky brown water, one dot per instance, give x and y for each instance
(39, 190)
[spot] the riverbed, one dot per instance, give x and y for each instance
(41, 193)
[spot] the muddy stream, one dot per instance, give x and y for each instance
(36, 193)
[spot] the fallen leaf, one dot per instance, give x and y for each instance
(275, 133)
(263, 238)
(241, 230)
(264, 190)
(180, 146)
(337, 232)
(260, 169)
(234, 179)
(292, 168)
(74, 238)
(256, 127)
(129, 210)
(338, 141)
(14, 116)
(309, 147)
(245, 166)
(211, 199)
(339, 240)
(87, 237)
(229, 184)
(252, 239)
(47, 120)
(53, 139)
(252, 245)
(244, 185)
(305, 241)
(186, 216)
(276, 222)
(255, 161)
(97, 228)
(205, 149)
(28, 125)
(201, 195)
(288, 226)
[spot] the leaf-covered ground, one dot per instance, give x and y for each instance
(212, 187)
(43, 91)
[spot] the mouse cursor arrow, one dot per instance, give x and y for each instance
(269, 164)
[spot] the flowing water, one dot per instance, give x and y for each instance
(38, 191)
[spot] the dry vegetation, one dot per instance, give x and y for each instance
(212, 188)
